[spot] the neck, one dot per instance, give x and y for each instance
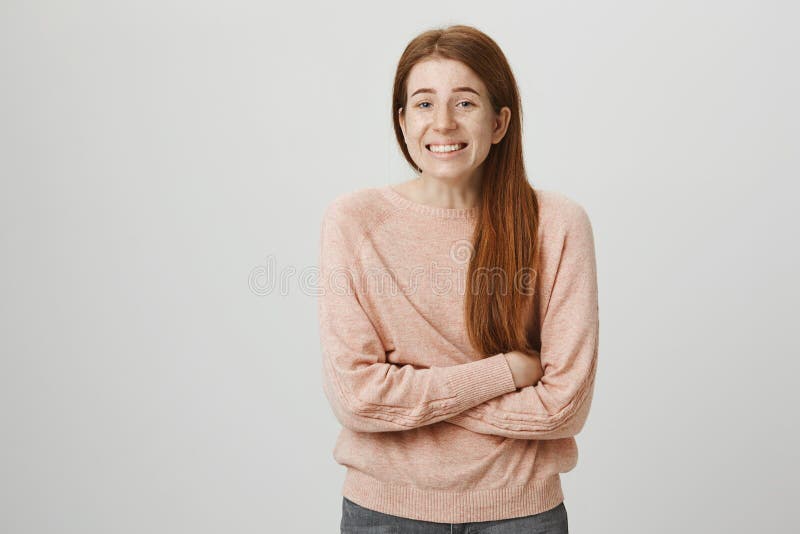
(443, 193)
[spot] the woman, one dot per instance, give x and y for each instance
(458, 313)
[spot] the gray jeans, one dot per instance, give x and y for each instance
(359, 520)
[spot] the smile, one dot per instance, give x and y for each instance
(444, 149)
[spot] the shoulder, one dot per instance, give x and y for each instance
(355, 213)
(352, 203)
(559, 211)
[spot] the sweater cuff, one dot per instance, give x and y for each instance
(476, 382)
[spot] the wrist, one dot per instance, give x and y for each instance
(512, 365)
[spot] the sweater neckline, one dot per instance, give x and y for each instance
(443, 213)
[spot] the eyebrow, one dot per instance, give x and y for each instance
(455, 90)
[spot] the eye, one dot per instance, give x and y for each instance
(424, 106)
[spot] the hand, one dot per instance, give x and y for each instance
(525, 368)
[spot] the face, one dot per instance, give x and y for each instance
(448, 104)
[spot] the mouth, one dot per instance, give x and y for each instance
(446, 148)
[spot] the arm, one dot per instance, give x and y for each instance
(366, 393)
(558, 405)
(526, 367)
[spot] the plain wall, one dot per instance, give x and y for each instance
(165, 166)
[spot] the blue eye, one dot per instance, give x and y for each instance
(462, 102)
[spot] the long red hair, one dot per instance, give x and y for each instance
(505, 240)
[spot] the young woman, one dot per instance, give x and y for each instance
(458, 313)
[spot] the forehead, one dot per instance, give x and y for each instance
(442, 75)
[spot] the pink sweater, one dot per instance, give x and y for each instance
(432, 429)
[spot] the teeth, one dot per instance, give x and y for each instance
(446, 148)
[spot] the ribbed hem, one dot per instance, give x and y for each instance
(453, 507)
(476, 382)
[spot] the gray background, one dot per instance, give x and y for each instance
(164, 169)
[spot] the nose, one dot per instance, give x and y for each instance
(443, 120)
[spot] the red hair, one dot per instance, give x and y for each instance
(505, 240)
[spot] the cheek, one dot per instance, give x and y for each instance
(481, 147)
(483, 130)
(414, 128)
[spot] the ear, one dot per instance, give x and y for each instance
(402, 120)
(501, 122)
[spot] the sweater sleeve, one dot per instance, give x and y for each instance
(366, 393)
(558, 405)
